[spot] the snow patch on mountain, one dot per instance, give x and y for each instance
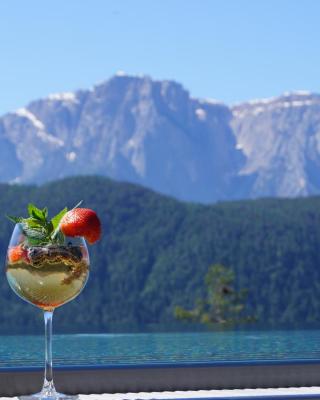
(287, 100)
(201, 114)
(71, 156)
(65, 97)
(40, 128)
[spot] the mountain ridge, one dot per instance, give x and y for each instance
(154, 133)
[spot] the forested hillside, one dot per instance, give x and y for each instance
(155, 252)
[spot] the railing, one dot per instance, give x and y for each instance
(164, 377)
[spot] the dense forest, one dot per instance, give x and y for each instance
(155, 252)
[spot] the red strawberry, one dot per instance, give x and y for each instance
(81, 222)
(17, 254)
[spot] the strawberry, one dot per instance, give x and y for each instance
(17, 254)
(81, 222)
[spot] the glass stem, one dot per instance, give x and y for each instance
(48, 375)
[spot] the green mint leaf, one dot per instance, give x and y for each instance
(32, 207)
(32, 222)
(35, 215)
(38, 229)
(49, 228)
(33, 232)
(16, 220)
(32, 241)
(35, 212)
(45, 212)
(57, 218)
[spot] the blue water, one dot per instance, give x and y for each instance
(117, 349)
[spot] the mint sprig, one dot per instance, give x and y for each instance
(38, 229)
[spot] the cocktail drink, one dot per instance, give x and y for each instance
(48, 276)
(47, 265)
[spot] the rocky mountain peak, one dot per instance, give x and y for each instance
(280, 138)
(288, 100)
(154, 133)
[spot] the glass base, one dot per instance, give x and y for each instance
(49, 392)
(44, 395)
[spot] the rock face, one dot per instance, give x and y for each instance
(153, 133)
(280, 138)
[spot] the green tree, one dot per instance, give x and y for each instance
(223, 303)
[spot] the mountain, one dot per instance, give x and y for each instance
(280, 138)
(128, 128)
(155, 252)
(154, 133)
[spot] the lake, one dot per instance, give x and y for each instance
(147, 348)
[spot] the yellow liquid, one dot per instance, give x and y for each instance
(49, 284)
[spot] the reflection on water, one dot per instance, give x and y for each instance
(102, 349)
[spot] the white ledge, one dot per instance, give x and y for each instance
(292, 392)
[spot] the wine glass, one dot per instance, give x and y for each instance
(47, 276)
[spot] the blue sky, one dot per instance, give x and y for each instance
(231, 50)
